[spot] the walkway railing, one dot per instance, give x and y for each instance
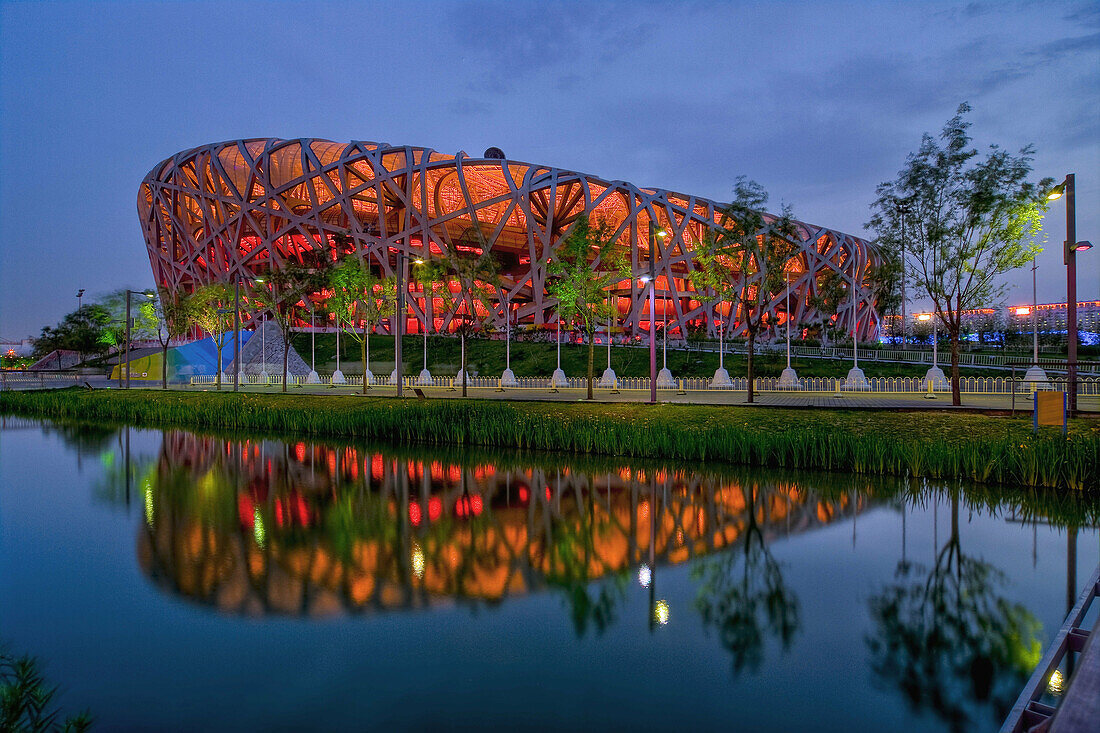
(38, 379)
(1089, 386)
(1028, 711)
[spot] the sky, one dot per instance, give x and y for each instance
(819, 102)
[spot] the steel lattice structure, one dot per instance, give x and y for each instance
(237, 209)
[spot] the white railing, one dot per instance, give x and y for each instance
(1086, 387)
(24, 380)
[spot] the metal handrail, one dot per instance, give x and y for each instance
(1028, 711)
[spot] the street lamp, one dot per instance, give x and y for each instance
(655, 234)
(789, 377)
(1035, 374)
(508, 379)
(79, 296)
(129, 322)
(1072, 247)
(425, 377)
(934, 375)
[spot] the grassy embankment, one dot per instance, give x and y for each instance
(917, 444)
(538, 359)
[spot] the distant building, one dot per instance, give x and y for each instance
(1051, 317)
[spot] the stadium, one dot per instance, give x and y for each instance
(233, 211)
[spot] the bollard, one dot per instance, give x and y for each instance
(681, 389)
(615, 386)
(500, 384)
(929, 395)
(452, 389)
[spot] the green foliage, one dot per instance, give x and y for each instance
(921, 445)
(965, 222)
(210, 309)
(26, 700)
(587, 264)
(81, 331)
(360, 299)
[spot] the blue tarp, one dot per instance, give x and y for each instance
(201, 358)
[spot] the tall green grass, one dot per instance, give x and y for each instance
(921, 445)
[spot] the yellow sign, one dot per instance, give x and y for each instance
(1049, 408)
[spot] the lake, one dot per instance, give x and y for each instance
(170, 580)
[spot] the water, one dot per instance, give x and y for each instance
(173, 581)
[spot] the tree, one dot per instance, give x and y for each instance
(762, 247)
(27, 699)
(949, 640)
(968, 221)
(170, 311)
(713, 277)
(79, 331)
(285, 295)
(472, 264)
(827, 299)
(742, 606)
(583, 269)
(212, 312)
(361, 299)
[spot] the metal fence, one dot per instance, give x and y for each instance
(38, 380)
(1089, 386)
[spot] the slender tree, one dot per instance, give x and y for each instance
(361, 300)
(170, 311)
(211, 310)
(285, 295)
(829, 296)
(762, 247)
(968, 222)
(472, 264)
(587, 264)
(714, 276)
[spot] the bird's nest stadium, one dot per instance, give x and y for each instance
(233, 211)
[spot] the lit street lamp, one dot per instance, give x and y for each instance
(655, 234)
(425, 377)
(1072, 247)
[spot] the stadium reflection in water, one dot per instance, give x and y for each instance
(257, 527)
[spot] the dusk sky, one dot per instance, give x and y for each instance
(819, 102)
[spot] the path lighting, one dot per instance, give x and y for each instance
(129, 323)
(655, 234)
(1072, 247)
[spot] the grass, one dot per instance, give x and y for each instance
(993, 450)
(539, 359)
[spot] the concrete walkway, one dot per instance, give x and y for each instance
(847, 400)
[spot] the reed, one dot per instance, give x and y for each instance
(923, 445)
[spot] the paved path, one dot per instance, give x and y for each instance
(847, 400)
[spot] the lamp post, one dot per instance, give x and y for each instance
(903, 211)
(398, 317)
(1072, 246)
(79, 299)
(789, 377)
(425, 376)
(655, 234)
(508, 379)
(1035, 374)
(129, 323)
(237, 333)
(934, 376)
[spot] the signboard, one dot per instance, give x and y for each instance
(1050, 409)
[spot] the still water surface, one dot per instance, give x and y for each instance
(175, 581)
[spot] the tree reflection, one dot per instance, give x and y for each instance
(742, 604)
(949, 641)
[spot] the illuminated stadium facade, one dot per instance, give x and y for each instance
(235, 210)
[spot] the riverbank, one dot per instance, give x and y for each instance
(926, 444)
